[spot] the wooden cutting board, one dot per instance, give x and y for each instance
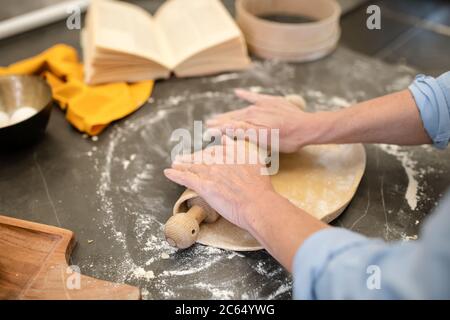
(33, 265)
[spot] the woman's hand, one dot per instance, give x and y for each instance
(245, 197)
(296, 127)
(229, 188)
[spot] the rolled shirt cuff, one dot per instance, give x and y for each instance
(432, 98)
(314, 255)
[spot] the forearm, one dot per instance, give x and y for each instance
(391, 119)
(341, 264)
(281, 232)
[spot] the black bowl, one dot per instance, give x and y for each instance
(17, 91)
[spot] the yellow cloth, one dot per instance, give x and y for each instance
(89, 108)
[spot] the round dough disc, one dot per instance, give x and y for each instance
(321, 180)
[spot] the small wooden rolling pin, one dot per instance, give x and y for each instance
(182, 229)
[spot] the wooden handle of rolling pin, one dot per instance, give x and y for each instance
(182, 229)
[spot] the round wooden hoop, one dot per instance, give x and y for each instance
(290, 41)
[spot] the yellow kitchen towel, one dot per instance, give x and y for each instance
(89, 108)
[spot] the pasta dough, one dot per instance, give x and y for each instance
(321, 180)
(4, 119)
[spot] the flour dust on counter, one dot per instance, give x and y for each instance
(138, 152)
(135, 211)
(415, 194)
(135, 199)
(412, 194)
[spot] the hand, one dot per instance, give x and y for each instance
(269, 112)
(246, 198)
(230, 189)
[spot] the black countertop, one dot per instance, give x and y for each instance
(112, 190)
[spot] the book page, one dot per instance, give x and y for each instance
(127, 28)
(191, 26)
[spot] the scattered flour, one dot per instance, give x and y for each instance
(164, 256)
(145, 294)
(400, 83)
(125, 164)
(223, 77)
(140, 273)
(159, 265)
(406, 238)
(339, 102)
(214, 255)
(159, 268)
(412, 191)
(216, 293)
(141, 178)
(324, 102)
(256, 89)
(281, 289)
(414, 237)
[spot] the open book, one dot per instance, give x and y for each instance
(123, 42)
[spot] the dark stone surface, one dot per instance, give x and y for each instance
(426, 50)
(423, 9)
(112, 191)
(413, 32)
(356, 36)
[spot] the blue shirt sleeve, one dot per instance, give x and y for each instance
(432, 97)
(339, 264)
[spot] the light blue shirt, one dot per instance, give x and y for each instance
(336, 263)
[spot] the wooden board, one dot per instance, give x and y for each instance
(33, 265)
